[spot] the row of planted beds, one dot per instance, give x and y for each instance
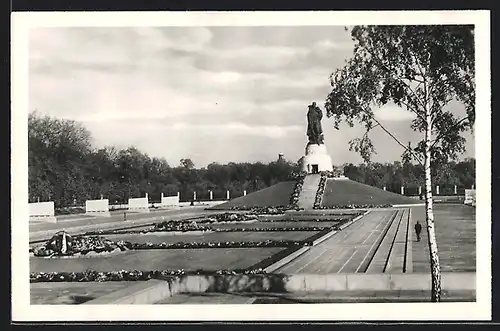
(63, 245)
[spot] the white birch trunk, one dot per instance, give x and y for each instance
(431, 235)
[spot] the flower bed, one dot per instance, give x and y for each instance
(283, 229)
(294, 198)
(190, 226)
(366, 206)
(182, 225)
(337, 172)
(232, 217)
(178, 226)
(265, 210)
(226, 244)
(321, 190)
(84, 245)
(156, 228)
(68, 246)
(133, 275)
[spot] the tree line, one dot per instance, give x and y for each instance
(65, 168)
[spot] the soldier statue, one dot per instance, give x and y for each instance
(314, 130)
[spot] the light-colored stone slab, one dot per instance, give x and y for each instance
(42, 212)
(97, 207)
(410, 282)
(138, 205)
(296, 283)
(169, 202)
(147, 292)
(157, 290)
(336, 282)
(315, 283)
(372, 282)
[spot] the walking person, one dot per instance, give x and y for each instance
(418, 230)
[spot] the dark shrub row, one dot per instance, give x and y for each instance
(365, 206)
(100, 245)
(134, 275)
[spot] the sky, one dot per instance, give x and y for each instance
(211, 94)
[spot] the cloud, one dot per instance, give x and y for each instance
(223, 93)
(265, 59)
(393, 113)
(237, 128)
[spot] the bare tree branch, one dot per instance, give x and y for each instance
(416, 156)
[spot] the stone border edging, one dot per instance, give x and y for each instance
(408, 261)
(323, 238)
(303, 250)
(278, 264)
(346, 224)
(154, 291)
(406, 205)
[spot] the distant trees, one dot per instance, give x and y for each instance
(63, 166)
(411, 176)
(57, 157)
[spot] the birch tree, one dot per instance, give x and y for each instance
(420, 69)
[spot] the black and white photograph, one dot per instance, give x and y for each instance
(308, 161)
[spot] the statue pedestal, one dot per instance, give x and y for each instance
(316, 159)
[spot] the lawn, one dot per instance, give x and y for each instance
(346, 192)
(455, 235)
(168, 237)
(162, 259)
(276, 195)
(71, 293)
(273, 225)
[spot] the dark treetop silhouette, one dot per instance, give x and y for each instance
(314, 130)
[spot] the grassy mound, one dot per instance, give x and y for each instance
(273, 196)
(349, 192)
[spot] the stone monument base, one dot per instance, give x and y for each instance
(316, 159)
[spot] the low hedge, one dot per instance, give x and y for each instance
(284, 229)
(271, 210)
(172, 226)
(131, 275)
(365, 206)
(219, 244)
(94, 244)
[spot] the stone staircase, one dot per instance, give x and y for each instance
(309, 189)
